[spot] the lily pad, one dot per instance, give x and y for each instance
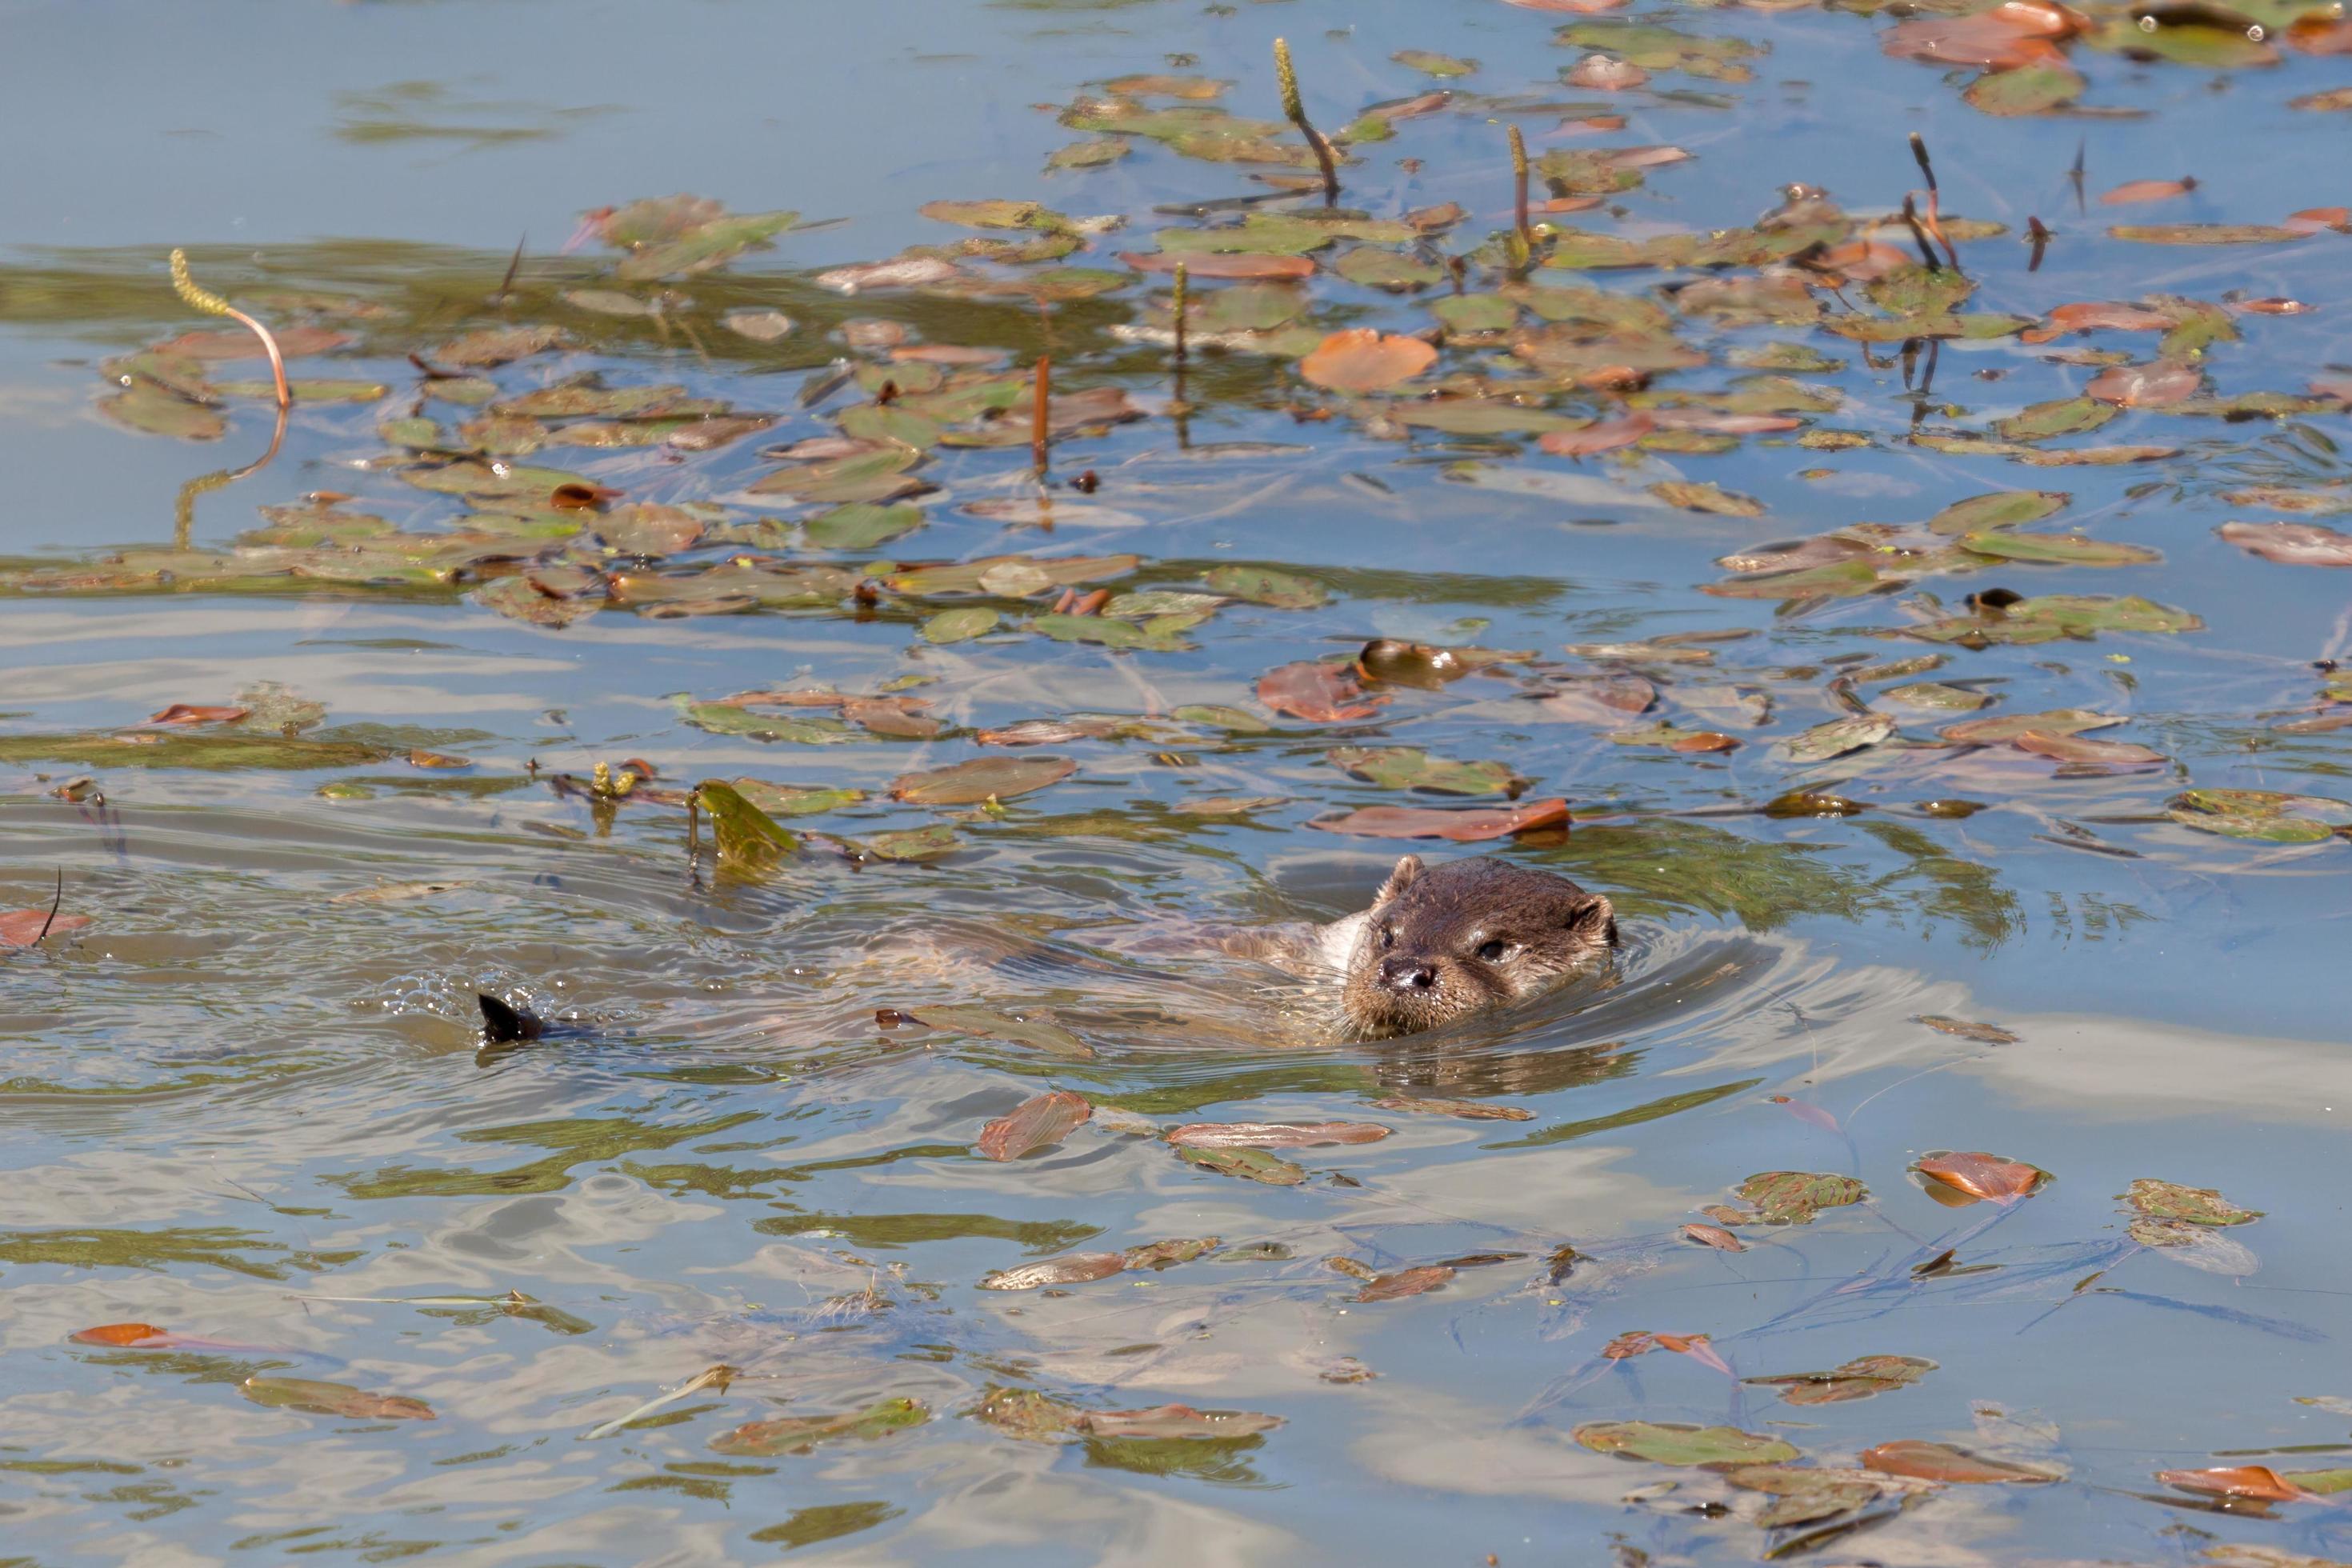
(2264, 816)
(1679, 1443)
(981, 779)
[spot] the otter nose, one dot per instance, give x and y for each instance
(1408, 974)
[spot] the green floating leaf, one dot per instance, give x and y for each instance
(1265, 586)
(1680, 1442)
(1251, 1164)
(860, 525)
(2208, 233)
(2025, 90)
(2263, 815)
(1706, 498)
(1429, 62)
(1374, 269)
(960, 626)
(2197, 1206)
(801, 1434)
(1837, 737)
(2050, 617)
(2001, 509)
(1793, 1197)
(749, 840)
(2058, 548)
(334, 1399)
(980, 779)
(2064, 416)
(1406, 767)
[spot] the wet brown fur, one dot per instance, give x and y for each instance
(1443, 942)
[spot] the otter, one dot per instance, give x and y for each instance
(1444, 943)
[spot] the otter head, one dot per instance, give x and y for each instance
(1443, 942)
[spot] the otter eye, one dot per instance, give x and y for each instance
(1388, 936)
(1494, 951)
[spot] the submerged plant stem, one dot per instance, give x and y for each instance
(197, 298)
(1038, 414)
(1295, 108)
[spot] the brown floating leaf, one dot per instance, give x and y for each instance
(1605, 436)
(188, 713)
(1318, 693)
(1177, 1421)
(1220, 264)
(1605, 73)
(1793, 1197)
(2157, 385)
(980, 779)
(2292, 543)
(2073, 749)
(1713, 1236)
(2256, 1481)
(2132, 190)
(1981, 1175)
(1857, 1379)
(1470, 827)
(1942, 1462)
(1468, 1109)
(1274, 1134)
(1158, 1254)
(1405, 1283)
(1034, 1124)
(1361, 359)
(1074, 1268)
(334, 1399)
(1990, 1034)
(2199, 1205)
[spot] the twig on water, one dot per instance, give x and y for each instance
(1295, 111)
(505, 284)
(1926, 251)
(1182, 289)
(54, 905)
(1934, 200)
(201, 299)
(1038, 414)
(1520, 187)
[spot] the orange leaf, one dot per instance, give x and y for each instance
(1942, 1462)
(1714, 1236)
(118, 1335)
(2132, 191)
(2257, 1481)
(1470, 827)
(1983, 1175)
(1405, 1283)
(21, 928)
(2157, 385)
(187, 713)
(1214, 264)
(1606, 73)
(1362, 359)
(1695, 1347)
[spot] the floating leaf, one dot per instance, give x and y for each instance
(1942, 1462)
(334, 1399)
(1837, 737)
(1714, 1236)
(749, 840)
(2050, 616)
(2207, 233)
(1857, 1379)
(1178, 1422)
(2075, 750)
(2002, 509)
(980, 779)
(1273, 1134)
(1470, 827)
(1986, 1034)
(2292, 543)
(1362, 359)
(2197, 1206)
(960, 626)
(2263, 816)
(1158, 1254)
(1076, 1268)
(1468, 1109)
(1679, 1443)
(2259, 1482)
(1793, 1197)
(2064, 416)
(1404, 1282)
(2003, 728)
(801, 1434)
(1037, 1123)
(2036, 89)
(1981, 1175)
(1405, 767)
(1252, 1164)
(1706, 498)
(1318, 693)
(1266, 585)
(2058, 548)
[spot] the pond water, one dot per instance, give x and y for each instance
(666, 626)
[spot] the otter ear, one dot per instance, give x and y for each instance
(1594, 920)
(1399, 880)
